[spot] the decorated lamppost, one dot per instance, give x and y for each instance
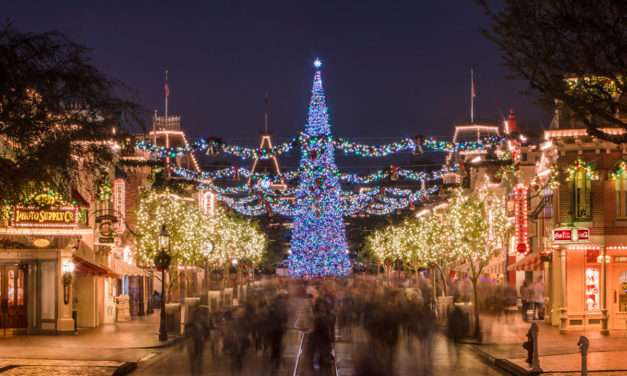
(162, 262)
(67, 267)
(206, 252)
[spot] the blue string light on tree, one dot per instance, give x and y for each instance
(318, 243)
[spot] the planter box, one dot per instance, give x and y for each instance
(173, 318)
(227, 297)
(214, 300)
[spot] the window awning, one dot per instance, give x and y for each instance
(87, 267)
(529, 263)
(122, 268)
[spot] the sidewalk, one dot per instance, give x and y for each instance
(92, 351)
(558, 352)
(141, 333)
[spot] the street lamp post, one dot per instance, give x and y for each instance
(162, 262)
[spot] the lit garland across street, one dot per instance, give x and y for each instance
(377, 176)
(308, 141)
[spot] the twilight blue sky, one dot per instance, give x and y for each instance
(392, 69)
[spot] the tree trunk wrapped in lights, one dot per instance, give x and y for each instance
(479, 222)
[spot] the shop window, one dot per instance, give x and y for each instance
(592, 289)
(20, 287)
(622, 292)
(582, 187)
(621, 195)
(548, 202)
(11, 287)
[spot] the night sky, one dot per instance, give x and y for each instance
(391, 69)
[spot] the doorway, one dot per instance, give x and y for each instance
(619, 299)
(13, 312)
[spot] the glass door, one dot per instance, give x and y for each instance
(13, 313)
(622, 292)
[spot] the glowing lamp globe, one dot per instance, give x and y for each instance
(68, 267)
(164, 238)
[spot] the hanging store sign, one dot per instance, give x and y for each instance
(521, 224)
(35, 217)
(566, 235)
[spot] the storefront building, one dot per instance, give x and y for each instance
(585, 244)
(38, 268)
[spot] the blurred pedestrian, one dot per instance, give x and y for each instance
(525, 297)
(196, 332)
(537, 293)
(458, 323)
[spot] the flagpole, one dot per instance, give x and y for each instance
(154, 128)
(267, 103)
(472, 97)
(166, 95)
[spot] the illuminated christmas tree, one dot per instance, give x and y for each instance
(318, 242)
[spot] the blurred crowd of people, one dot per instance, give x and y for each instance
(388, 316)
(258, 326)
(384, 314)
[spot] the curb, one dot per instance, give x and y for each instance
(168, 343)
(501, 364)
(125, 369)
(513, 369)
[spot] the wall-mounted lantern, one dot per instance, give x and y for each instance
(67, 268)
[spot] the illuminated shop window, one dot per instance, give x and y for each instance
(20, 287)
(592, 289)
(11, 288)
(622, 292)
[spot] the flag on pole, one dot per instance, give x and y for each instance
(473, 94)
(166, 87)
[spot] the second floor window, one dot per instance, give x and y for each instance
(620, 181)
(582, 195)
(548, 202)
(580, 176)
(582, 186)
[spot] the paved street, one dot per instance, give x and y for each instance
(175, 360)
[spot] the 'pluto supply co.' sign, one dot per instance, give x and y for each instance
(34, 217)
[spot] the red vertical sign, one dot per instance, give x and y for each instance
(521, 228)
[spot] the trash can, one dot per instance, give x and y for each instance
(75, 318)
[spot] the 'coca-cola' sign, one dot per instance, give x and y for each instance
(570, 235)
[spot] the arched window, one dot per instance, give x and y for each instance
(620, 183)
